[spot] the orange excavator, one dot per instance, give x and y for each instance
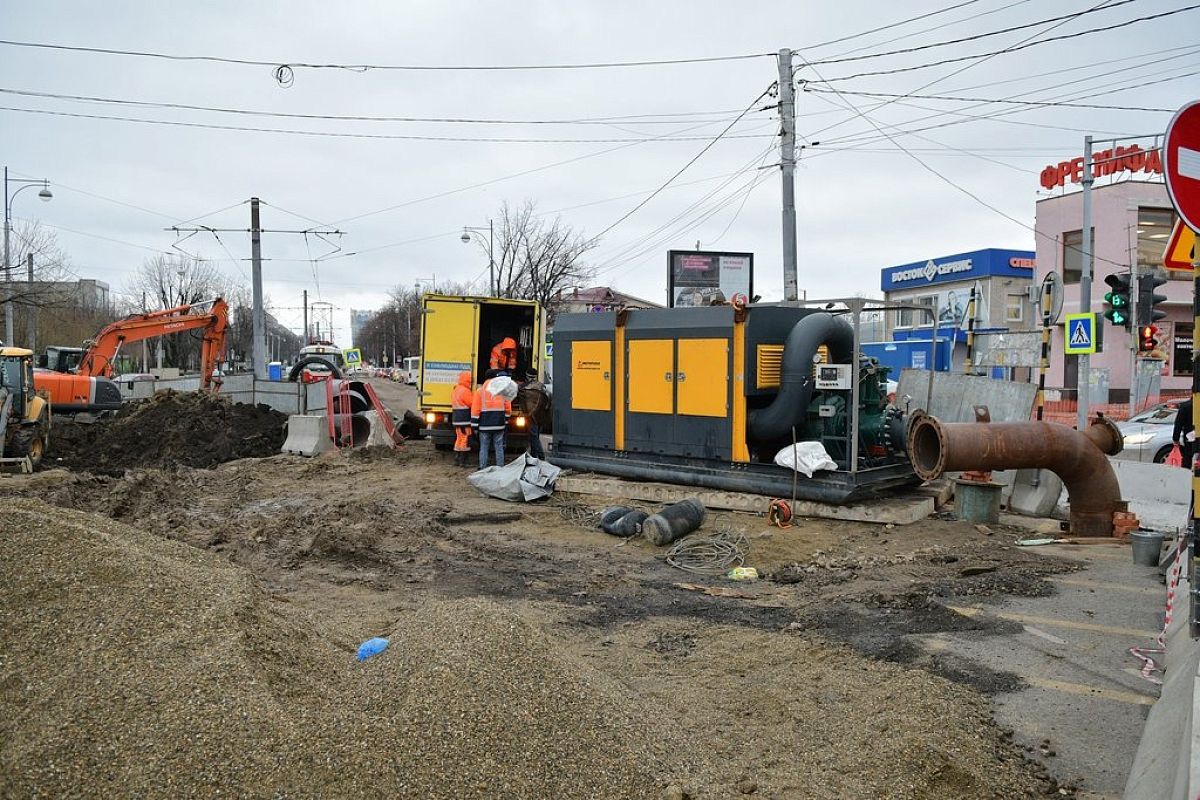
(79, 380)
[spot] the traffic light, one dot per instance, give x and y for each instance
(1148, 299)
(1147, 340)
(1117, 300)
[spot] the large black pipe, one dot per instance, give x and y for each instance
(790, 407)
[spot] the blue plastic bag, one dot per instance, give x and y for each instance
(371, 647)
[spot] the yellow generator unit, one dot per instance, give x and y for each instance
(708, 396)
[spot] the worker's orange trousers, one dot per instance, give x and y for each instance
(462, 438)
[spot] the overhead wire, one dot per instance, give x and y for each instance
(1038, 36)
(989, 100)
(293, 65)
(640, 119)
(913, 34)
(678, 224)
(972, 38)
(355, 135)
(958, 59)
(690, 161)
(955, 185)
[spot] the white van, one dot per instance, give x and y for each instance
(412, 370)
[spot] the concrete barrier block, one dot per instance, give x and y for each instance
(1158, 494)
(307, 435)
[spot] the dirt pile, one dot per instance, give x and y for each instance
(193, 429)
(136, 665)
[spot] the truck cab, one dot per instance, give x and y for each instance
(457, 335)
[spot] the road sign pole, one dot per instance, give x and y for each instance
(1192, 615)
(1181, 171)
(1085, 284)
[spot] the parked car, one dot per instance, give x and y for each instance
(133, 377)
(1148, 434)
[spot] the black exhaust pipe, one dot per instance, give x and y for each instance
(790, 407)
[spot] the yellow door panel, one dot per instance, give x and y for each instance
(651, 383)
(702, 376)
(448, 342)
(591, 376)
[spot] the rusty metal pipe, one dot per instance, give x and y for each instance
(1079, 458)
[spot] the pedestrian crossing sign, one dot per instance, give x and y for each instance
(1080, 334)
(353, 358)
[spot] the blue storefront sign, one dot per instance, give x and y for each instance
(959, 267)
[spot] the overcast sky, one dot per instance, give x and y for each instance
(863, 203)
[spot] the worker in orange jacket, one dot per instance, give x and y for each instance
(504, 355)
(461, 399)
(489, 415)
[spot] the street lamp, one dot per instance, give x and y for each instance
(45, 194)
(466, 238)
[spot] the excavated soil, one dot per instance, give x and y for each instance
(193, 429)
(134, 665)
(173, 627)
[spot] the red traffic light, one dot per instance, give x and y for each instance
(1146, 338)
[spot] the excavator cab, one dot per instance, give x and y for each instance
(24, 414)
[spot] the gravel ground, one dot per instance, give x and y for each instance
(135, 665)
(138, 666)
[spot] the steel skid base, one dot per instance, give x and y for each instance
(832, 486)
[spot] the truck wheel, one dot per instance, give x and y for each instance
(29, 441)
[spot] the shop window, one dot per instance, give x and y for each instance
(1153, 229)
(912, 318)
(1072, 255)
(1181, 345)
(1014, 308)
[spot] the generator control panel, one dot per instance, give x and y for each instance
(833, 376)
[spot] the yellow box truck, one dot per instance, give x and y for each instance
(457, 335)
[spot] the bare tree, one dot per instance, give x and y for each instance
(536, 257)
(170, 281)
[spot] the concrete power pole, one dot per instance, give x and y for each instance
(787, 163)
(259, 332)
(304, 338)
(1085, 285)
(31, 310)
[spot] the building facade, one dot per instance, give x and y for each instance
(1131, 221)
(943, 285)
(358, 319)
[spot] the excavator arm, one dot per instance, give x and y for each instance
(101, 352)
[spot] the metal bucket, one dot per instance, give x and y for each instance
(1147, 547)
(977, 502)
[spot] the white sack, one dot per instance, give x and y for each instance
(806, 458)
(524, 478)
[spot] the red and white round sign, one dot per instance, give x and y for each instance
(1181, 163)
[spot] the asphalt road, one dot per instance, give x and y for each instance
(1084, 692)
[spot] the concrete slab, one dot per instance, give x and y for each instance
(897, 510)
(941, 490)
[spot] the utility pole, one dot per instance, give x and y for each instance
(787, 162)
(305, 337)
(1085, 284)
(259, 361)
(258, 325)
(31, 310)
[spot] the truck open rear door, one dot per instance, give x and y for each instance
(449, 332)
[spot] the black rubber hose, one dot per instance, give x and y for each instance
(673, 522)
(790, 407)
